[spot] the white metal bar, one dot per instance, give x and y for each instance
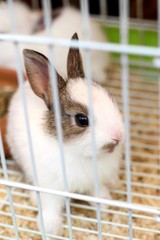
(12, 16)
(86, 31)
(139, 8)
(4, 166)
(133, 183)
(57, 114)
(141, 185)
(124, 8)
(115, 203)
(85, 19)
(47, 16)
(103, 9)
(139, 5)
(29, 136)
(110, 47)
(140, 195)
(56, 104)
(20, 81)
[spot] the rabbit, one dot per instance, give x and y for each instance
(69, 20)
(25, 18)
(74, 111)
(26, 22)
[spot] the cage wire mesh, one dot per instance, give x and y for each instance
(134, 81)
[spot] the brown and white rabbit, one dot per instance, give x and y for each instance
(69, 20)
(73, 95)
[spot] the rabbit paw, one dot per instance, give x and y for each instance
(52, 223)
(104, 193)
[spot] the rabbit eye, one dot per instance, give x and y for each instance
(81, 120)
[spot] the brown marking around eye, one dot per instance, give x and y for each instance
(70, 130)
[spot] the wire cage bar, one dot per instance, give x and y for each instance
(134, 82)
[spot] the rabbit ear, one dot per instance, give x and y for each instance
(74, 62)
(37, 69)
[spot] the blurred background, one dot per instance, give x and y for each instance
(149, 9)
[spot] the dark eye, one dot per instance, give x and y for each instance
(81, 120)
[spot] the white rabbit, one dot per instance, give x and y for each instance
(73, 95)
(25, 21)
(25, 18)
(67, 22)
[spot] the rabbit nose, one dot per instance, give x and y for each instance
(117, 136)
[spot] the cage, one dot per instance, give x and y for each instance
(134, 81)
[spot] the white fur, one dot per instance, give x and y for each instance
(78, 152)
(25, 22)
(24, 18)
(69, 22)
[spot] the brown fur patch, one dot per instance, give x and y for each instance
(69, 109)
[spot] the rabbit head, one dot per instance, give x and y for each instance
(74, 105)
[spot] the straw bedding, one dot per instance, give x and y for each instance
(144, 122)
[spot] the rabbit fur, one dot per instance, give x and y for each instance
(73, 97)
(25, 22)
(25, 18)
(67, 22)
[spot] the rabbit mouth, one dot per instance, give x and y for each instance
(110, 147)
